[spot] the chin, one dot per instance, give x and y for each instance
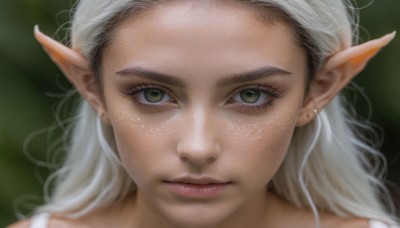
(198, 215)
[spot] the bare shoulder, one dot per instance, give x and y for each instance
(330, 220)
(54, 222)
(352, 223)
(21, 224)
(57, 221)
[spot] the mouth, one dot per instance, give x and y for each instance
(197, 188)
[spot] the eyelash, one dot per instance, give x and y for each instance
(135, 90)
(269, 92)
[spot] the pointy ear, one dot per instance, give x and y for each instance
(337, 72)
(77, 70)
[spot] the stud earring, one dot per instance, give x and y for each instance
(308, 115)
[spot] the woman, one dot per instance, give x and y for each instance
(213, 114)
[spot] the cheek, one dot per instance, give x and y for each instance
(261, 146)
(127, 130)
(139, 140)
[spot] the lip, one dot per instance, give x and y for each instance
(197, 188)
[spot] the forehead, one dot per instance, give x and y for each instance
(186, 33)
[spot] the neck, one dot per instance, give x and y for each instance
(263, 210)
(260, 211)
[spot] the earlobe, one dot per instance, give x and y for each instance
(306, 115)
(77, 69)
(337, 72)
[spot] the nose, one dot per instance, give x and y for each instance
(198, 144)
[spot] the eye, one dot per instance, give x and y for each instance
(254, 99)
(150, 97)
(250, 95)
(153, 95)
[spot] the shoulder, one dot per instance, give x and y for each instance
(56, 221)
(21, 224)
(359, 223)
(101, 217)
(379, 224)
(53, 222)
(351, 223)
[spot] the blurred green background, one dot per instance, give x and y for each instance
(31, 87)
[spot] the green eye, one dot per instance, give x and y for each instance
(153, 95)
(250, 95)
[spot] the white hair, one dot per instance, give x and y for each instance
(328, 165)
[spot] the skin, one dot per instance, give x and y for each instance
(204, 129)
(204, 124)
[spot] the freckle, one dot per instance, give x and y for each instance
(256, 138)
(129, 116)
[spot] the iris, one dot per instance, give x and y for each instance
(250, 95)
(153, 95)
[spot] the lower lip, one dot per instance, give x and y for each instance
(197, 191)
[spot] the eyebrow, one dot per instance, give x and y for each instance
(149, 74)
(253, 75)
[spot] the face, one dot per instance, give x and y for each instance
(203, 104)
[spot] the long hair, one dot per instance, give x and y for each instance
(328, 165)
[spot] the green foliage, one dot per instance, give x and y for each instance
(27, 77)
(28, 82)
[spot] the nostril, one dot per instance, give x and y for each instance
(198, 154)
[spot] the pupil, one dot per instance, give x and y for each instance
(250, 96)
(153, 95)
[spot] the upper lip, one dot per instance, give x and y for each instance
(197, 180)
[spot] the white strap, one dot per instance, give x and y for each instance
(379, 224)
(40, 220)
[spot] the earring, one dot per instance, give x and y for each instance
(308, 115)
